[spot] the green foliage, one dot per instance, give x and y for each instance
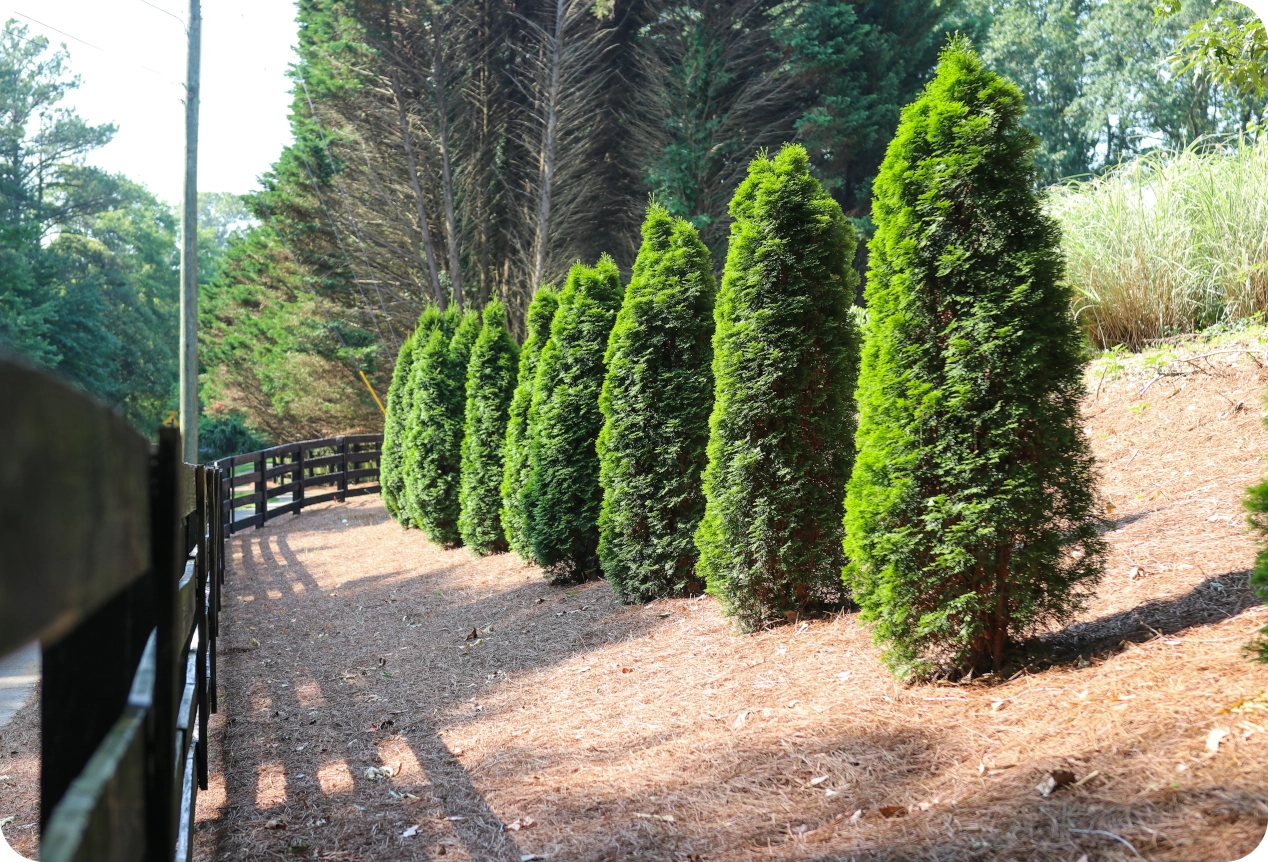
(226, 434)
(970, 513)
(781, 432)
(391, 479)
(1256, 502)
(562, 498)
(490, 386)
(518, 468)
(655, 402)
(433, 449)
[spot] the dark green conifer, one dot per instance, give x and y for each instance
(562, 497)
(490, 385)
(391, 481)
(435, 450)
(1256, 503)
(782, 430)
(970, 516)
(656, 400)
(541, 311)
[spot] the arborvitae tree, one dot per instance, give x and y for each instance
(439, 410)
(562, 497)
(655, 402)
(1257, 504)
(391, 479)
(785, 360)
(490, 385)
(517, 468)
(970, 514)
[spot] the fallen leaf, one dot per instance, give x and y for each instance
(1136, 572)
(275, 823)
(856, 816)
(374, 773)
(668, 818)
(892, 811)
(664, 614)
(5, 821)
(530, 857)
(520, 823)
(583, 669)
(1057, 778)
(815, 782)
(539, 601)
(255, 643)
(299, 848)
(627, 670)
(456, 752)
(801, 829)
(1085, 779)
(739, 720)
(455, 818)
(844, 675)
(1214, 738)
(410, 832)
(473, 636)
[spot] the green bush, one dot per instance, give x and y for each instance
(221, 435)
(541, 311)
(562, 496)
(1257, 504)
(435, 450)
(781, 433)
(490, 385)
(391, 479)
(970, 514)
(655, 402)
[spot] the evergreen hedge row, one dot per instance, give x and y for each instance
(656, 400)
(489, 387)
(970, 516)
(781, 432)
(562, 498)
(391, 480)
(541, 311)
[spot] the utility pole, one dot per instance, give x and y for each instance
(189, 244)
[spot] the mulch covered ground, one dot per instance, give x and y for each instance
(383, 699)
(20, 779)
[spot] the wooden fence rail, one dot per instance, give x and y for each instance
(111, 554)
(283, 474)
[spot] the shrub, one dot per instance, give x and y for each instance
(1257, 504)
(784, 365)
(562, 496)
(435, 451)
(655, 402)
(391, 480)
(221, 435)
(515, 475)
(970, 513)
(490, 385)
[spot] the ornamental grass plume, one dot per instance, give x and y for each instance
(970, 516)
(562, 497)
(490, 384)
(785, 355)
(435, 453)
(656, 400)
(541, 311)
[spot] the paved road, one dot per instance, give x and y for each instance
(19, 672)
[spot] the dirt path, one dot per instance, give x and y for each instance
(574, 728)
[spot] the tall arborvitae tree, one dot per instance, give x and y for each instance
(656, 400)
(785, 362)
(440, 408)
(517, 468)
(431, 341)
(562, 497)
(490, 385)
(391, 479)
(970, 514)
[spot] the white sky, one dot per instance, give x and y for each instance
(134, 81)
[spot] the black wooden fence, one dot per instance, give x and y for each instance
(276, 481)
(111, 554)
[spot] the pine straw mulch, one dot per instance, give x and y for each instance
(574, 728)
(20, 778)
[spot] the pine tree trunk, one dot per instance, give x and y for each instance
(428, 249)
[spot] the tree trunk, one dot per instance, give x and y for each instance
(451, 227)
(546, 162)
(999, 639)
(429, 250)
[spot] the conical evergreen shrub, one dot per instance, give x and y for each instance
(562, 496)
(782, 428)
(391, 481)
(1256, 503)
(404, 472)
(656, 401)
(490, 385)
(970, 516)
(435, 450)
(541, 311)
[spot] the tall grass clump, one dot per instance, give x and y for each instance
(1169, 243)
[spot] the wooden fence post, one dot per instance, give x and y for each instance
(298, 495)
(341, 447)
(261, 489)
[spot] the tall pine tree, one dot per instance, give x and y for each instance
(655, 401)
(490, 385)
(517, 468)
(435, 444)
(782, 428)
(970, 513)
(562, 497)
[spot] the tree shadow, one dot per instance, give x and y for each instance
(1212, 601)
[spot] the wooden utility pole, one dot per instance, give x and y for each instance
(189, 244)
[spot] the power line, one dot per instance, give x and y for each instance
(109, 54)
